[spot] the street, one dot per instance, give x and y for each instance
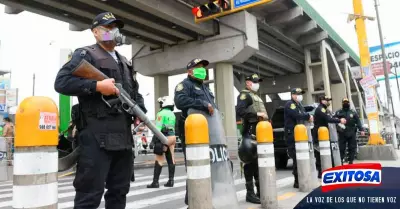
(142, 197)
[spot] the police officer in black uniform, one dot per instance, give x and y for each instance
(105, 136)
(321, 118)
(250, 107)
(294, 114)
(193, 93)
(347, 135)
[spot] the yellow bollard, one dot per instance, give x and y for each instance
(198, 162)
(36, 156)
(266, 164)
(324, 148)
(303, 158)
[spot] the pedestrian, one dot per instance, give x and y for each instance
(193, 93)
(8, 134)
(165, 122)
(105, 137)
(347, 135)
(321, 119)
(294, 114)
(250, 107)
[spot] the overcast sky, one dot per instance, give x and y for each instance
(31, 43)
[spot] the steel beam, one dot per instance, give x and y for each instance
(265, 38)
(313, 39)
(301, 29)
(339, 72)
(343, 57)
(251, 70)
(279, 35)
(266, 67)
(89, 15)
(73, 27)
(174, 12)
(136, 18)
(12, 10)
(286, 16)
(278, 60)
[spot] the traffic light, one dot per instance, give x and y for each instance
(211, 8)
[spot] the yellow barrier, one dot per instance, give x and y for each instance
(266, 164)
(198, 162)
(36, 156)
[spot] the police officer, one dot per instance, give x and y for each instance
(105, 135)
(347, 135)
(294, 114)
(322, 118)
(250, 107)
(193, 93)
(165, 122)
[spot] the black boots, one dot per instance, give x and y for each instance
(296, 183)
(258, 189)
(171, 173)
(250, 196)
(157, 172)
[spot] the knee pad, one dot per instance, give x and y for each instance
(168, 156)
(158, 148)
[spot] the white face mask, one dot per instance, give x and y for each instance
(299, 98)
(255, 86)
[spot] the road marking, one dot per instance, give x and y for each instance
(286, 196)
(66, 174)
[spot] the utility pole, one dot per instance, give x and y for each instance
(365, 64)
(387, 84)
(397, 81)
(33, 85)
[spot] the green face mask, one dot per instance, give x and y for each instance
(200, 73)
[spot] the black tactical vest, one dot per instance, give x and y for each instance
(111, 128)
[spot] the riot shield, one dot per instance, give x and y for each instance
(223, 187)
(334, 139)
(313, 172)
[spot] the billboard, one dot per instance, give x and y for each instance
(392, 51)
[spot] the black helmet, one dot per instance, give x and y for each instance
(248, 150)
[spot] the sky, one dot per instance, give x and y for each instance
(37, 47)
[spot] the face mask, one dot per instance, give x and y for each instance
(346, 106)
(299, 98)
(200, 73)
(112, 35)
(255, 87)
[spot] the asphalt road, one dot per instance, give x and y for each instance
(141, 197)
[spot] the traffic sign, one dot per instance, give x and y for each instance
(237, 5)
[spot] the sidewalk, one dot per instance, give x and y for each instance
(289, 197)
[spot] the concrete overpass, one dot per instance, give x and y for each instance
(286, 41)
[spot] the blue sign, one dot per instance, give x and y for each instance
(241, 3)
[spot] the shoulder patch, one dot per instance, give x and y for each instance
(351, 115)
(292, 106)
(323, 110)
(242, 96)
(179, 87)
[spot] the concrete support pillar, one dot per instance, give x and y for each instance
(308, 99)
(325, 70)
(347, 81)
(160, 89)
(361, 102)
(226, 102)
(338, 92)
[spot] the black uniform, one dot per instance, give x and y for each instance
(191, 93)
(105, 134)
(250, 121)
(321, 119)
(348, 135)
(294, 114)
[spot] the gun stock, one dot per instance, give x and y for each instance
(88, 71)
